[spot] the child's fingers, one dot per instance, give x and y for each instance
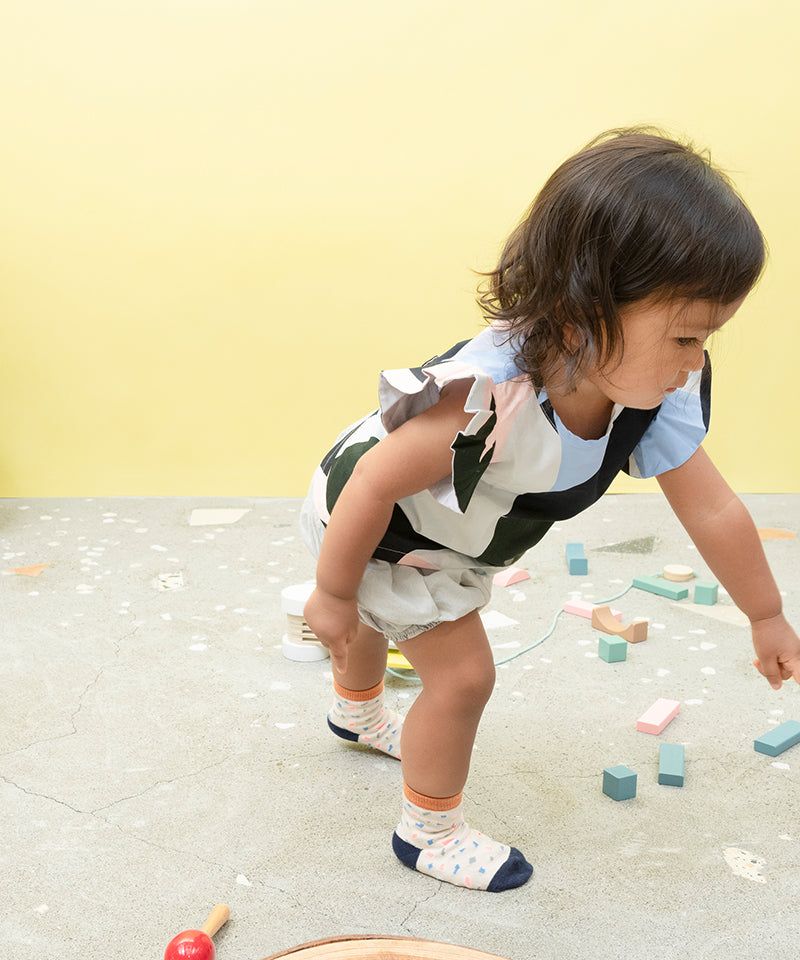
(783, 671)
(773, 676)
(791, 669)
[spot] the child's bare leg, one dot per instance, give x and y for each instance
(454, 662)
(358, 712)
(366, 660)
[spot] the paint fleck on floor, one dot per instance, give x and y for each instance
(745, 864)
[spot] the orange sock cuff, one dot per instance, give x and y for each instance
(440, 804)
(358, 695)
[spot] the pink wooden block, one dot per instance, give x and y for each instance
(581, 608)
(658, 716)
(511, 575)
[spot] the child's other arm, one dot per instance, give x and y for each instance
(411, 458)
(724, 533)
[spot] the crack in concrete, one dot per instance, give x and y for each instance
(42, 796)
(190, 852)
(159, 783)
(235, 869)
(100, 814)
(405, 923)
(117, 644)
(97, 811)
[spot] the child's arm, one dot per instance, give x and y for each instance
(724, 533)
(411, 458)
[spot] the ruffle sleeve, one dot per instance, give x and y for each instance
(407, 392)
(677, 430)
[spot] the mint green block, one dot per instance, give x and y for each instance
(612, 649)
(706, 591)
(577, 563)
(661, 587)
(670, 764)
(619, 783)
(781, 738)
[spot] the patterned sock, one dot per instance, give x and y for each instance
(433, 838)
(360, 716)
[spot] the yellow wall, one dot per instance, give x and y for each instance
(221, 218)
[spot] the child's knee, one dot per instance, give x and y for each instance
(470, 683)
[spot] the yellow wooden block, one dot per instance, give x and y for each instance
(397, 661)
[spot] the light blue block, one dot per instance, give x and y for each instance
(612, 649)
(661, 587)
(706, 592)
(781, 738)
(670, 764)
(619, 783)
(577, 563)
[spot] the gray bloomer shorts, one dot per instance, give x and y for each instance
(402, 602)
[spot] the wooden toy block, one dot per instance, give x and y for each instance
(510, 575)
(670, 764)
(612, 649)
(576, 561)
(661, 587)
(677, 573)
(619, 783)
(658, 716)
(706, 592)
(582, 608)
(397, 661)
(781, 738)
(602, 619)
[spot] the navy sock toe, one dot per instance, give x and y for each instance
(405, 852)
(514, 872)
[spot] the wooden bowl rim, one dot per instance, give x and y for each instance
(452, 951)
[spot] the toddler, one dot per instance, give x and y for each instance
(635, 251)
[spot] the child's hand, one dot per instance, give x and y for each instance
(334, 622)
(778, 649)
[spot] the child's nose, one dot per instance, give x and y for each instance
(696, 359)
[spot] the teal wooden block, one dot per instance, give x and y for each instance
(577, 563)
(781, 738)
(661, 587)
(612, 649)
(670, 764)
(619, 783)
(706, 592)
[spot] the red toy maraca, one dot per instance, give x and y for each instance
(196, 944)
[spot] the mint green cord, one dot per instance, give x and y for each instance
(410, 675)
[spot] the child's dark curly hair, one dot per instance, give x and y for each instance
(633, 216)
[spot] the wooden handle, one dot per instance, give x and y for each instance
(216, 919)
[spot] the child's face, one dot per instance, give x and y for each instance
(663, 344)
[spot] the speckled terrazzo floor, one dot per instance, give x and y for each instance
(159, 754)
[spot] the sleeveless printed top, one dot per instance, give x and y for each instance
(516, 468)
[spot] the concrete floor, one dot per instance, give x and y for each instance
(159, 754)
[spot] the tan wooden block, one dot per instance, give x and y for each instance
(603, 619)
